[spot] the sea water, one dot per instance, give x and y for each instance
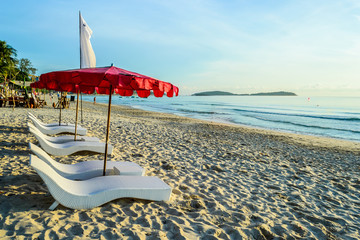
(336, 117)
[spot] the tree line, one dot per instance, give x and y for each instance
(12, 68)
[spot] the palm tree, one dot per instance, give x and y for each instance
(9, 70)
(7, 59)
(25, 68)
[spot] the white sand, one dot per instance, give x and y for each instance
(228, 182)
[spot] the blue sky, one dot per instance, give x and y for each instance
(310, 47)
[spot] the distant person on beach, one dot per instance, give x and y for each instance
(94, 100)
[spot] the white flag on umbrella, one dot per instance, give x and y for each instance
(87, 58)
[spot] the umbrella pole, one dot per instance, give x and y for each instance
(60, 108)
(107, 131)
(81, 109)
(77, 110)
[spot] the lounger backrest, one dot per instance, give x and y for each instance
(34, 119)
(57, 185)
(32, 115)
(30, 125)
(43, 140)
(44, 156)
(38, 125)
(62, 189)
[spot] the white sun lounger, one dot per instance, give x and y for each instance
(97, 191)
(56, 129)
(63, 138)
(88, 169)
(62, 149)
(30, 115)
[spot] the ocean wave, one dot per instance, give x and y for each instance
(340, 118)
(201, 112)
(304, 125)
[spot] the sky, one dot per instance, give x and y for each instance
(310, 47)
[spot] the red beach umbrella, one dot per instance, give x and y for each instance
(50, 86)
(89, 80)
(105, 80)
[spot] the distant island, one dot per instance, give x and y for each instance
(221, 93)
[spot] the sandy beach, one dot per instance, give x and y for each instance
(229, 182)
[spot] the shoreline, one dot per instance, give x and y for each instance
(228, 182)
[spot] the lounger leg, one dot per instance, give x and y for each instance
(116, 171)
(54, 205)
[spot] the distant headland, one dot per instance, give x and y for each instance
(221, 93)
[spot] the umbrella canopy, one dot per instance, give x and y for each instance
(89, 80)
(105, 80)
